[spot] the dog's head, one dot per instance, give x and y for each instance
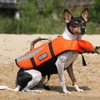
(76, 25)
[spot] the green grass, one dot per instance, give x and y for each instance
(49, 21)
(31, 21)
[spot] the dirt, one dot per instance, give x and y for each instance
(88, 77)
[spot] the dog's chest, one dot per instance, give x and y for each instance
(72, 57)
(67, 58)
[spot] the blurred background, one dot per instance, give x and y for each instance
(45, 16)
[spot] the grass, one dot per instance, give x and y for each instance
(50, 21)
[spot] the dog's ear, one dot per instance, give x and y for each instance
(85, 14)
(67, 16)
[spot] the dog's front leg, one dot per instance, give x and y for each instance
(60, 68)
(72, 77)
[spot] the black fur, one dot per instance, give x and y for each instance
(23, 78)
(48, 67)
(75, 22)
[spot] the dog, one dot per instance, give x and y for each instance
(75, 28)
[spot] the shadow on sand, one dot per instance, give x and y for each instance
(58, 88)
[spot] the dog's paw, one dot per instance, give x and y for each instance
(97, 49)
(33, 91)
(67, 92)
(79, 90)
(38, 91)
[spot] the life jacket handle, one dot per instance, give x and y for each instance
(37, 40)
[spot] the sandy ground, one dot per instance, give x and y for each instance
(88, 77)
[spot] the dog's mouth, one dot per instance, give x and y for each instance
(82, 33)
(77, 30)
(83, 30)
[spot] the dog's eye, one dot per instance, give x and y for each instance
(75, 24)
(83, 22)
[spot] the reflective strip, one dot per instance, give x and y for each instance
(30, 55)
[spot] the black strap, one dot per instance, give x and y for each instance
(83, 61)
(33, 62)
(52, 53)
(51, 49)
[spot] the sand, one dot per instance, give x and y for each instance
(88, 77)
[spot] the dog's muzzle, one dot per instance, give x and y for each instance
(83, 30)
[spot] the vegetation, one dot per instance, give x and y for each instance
(45, 17)
(94, 23)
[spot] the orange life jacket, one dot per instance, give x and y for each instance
(45, 52)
